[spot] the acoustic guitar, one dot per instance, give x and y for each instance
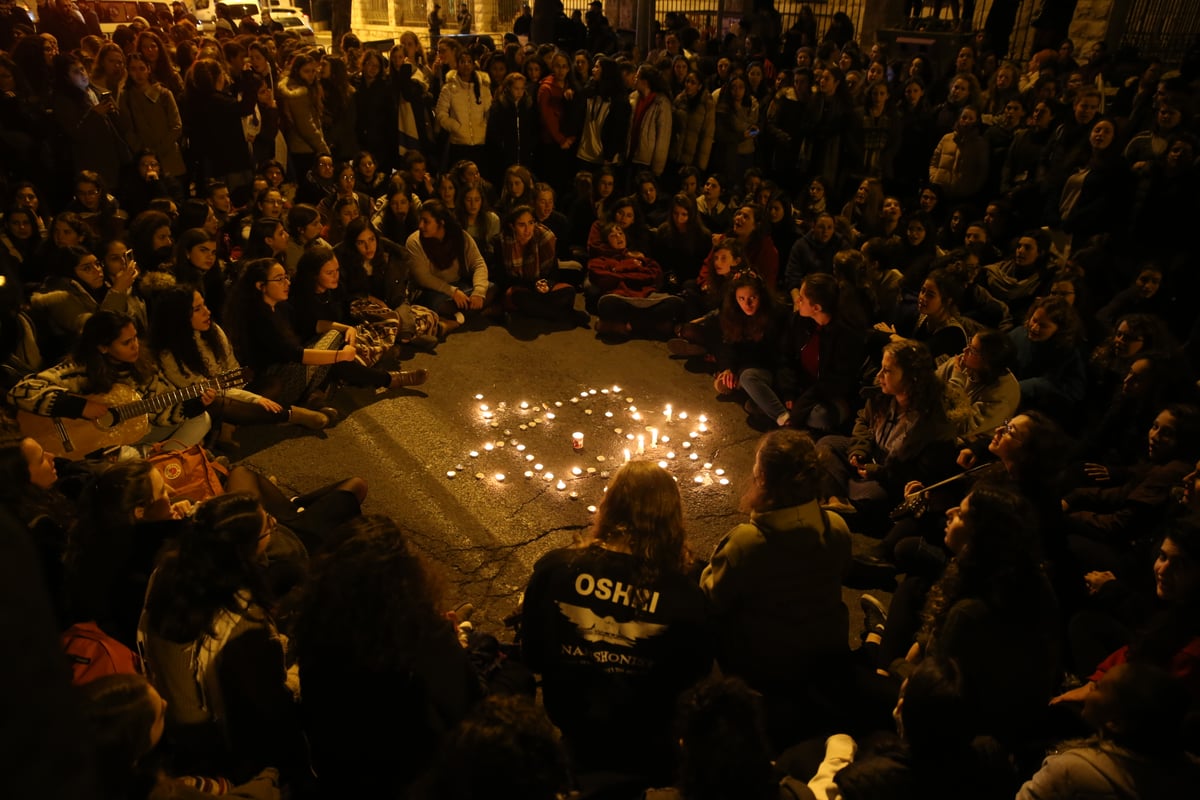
(128, 420)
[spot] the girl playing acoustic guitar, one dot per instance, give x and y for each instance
(105, 381)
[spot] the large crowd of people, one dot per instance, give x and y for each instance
(953, 297)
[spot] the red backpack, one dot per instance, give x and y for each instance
(92, 653)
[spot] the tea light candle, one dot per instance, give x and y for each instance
(662, 464)
(693, 434)
(600, 459)
(694, 456)
(520, 448)
(574, 495)
(576, 471)
(560, 485)
(616, 388)
(558, 403)
(641, 444)
(487, 415)
(529, 457)
(587, 411)
(583, 394)
(591, 509)
(478, 476)
(698, 479)
(483, 407)
(474, 454)
(591, 391)
(524, 427)
(528, 473)
(489, 447)
(703, 418)
(687, 445)
(633, 408)
(665, 438)
(524, 404)
(549, 415)
(450, 473)
(637, 416)
(500, 477)
(549, 476)
(618, 431)
(724, 481)
(703, 428)
(574, 399)
(608, 414)
(670, 454)
(537, 467)
(629, 436)
(719, 471)
(478, 397)
(683, 415)
(591, 470)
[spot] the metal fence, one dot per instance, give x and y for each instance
(1164, 28)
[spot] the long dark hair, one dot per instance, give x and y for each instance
(374, 566)
(454, 234)
(211, 284)
(214, 561)
(246, 301)
(171, 330)
(120, 714)
(101, 330)
(999, 564)
(735, 325)
(927, 393)
(642, 507)
(256, 242)
(725, 750)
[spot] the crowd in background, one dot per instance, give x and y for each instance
(953, 296)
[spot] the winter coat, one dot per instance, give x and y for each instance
(150, 120)
(462, 109)
(960, 165)
(303, 131)
(650, 143)
(694, 127)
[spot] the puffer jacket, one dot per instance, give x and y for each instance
(960, 165)
(693, 132)
(461, 113)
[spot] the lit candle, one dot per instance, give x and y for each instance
(617, 431)
(591, 470)
(662, 464)
(549, 415)
(524, 404)
(703, 418)
(683, 415)
(633, 408)
(667, 412)
(600, 459)
(489, 446)
(478, 476)
(529, 457)
(637, 416)
(686, 445)
(558, 403)
(574, 495)
(703, 427)
(591, 391)
(587, 411)
(629, 436)
(694, 456)
(528, 473)
(577, 440)
(533, 423)
(500, 477)
(549, 476)
(641, 444)
(537, 467)
(626, 455)
(616, 388)
(450, 473)
(583, 394)
(665, 438)
(574, 399)
(520, 448)
(653, 436)
(478, 397)
(698, 479)
(608, 414)
(724, 481)
(693, 434)
(560, 485)
(576, 471)
(487, 415)
(670, 454)
(591, 509)
(474, 454)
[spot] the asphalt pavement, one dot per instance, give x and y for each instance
(464, 461)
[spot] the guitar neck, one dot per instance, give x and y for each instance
(158, 402)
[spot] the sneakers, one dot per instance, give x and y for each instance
(612, 328)
(682, 347)
(874, 615)
(406, 377)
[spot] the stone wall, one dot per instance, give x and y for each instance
(1098, 21)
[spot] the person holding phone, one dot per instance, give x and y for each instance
(86, 121)
(737, 129)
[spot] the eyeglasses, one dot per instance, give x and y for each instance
(968, 350)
